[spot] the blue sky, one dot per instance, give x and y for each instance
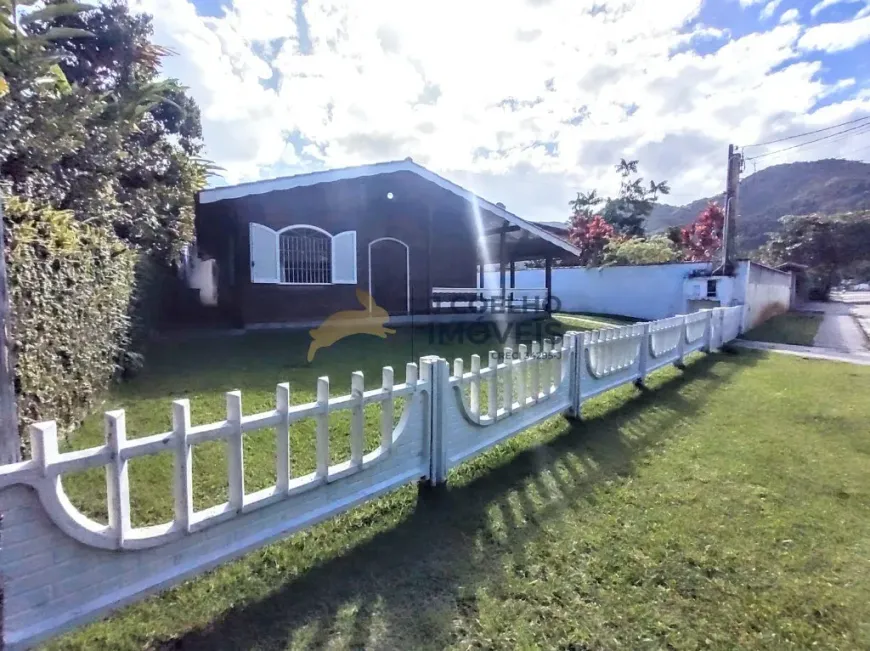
(524, 101)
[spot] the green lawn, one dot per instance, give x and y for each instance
(203, 369)
(592, 321)
(794, 328)
(726, 506)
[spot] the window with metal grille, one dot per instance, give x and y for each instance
(305, 257)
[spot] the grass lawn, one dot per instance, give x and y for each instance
(726, 506)
(790, 328)
(592, 321)
(203, 369)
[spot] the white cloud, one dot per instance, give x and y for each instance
(824, 4)
(837, 37)
(769, 9)
(525, 102)
(242, 124)
(789, 16)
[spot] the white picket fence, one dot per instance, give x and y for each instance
(60, 568)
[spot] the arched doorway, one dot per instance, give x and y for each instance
(390, 275)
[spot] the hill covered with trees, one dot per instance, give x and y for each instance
(828, 186)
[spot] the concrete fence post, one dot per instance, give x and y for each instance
(580, 353)
(681, 346)
(436, 373)
(643, 356)
(708, 332)
(573, 341)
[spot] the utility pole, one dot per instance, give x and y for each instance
(735, 166)
(10, 444)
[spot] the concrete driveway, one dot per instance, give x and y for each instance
(845, 316)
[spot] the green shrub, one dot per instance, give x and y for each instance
(70, 286)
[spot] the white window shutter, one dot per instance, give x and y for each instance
(264, 254)
(344, 258)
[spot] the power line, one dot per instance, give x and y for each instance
(808, 133)
(865, 128)
(804, 144)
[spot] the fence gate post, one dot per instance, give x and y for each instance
(436, 373)
(643, 357)
(573, 341)
(681, 346)
(579, 361)
(708, 332)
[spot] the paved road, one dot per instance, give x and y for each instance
(808, 352)
(860, 304)
(840, 328)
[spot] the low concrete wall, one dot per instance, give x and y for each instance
(765, 291)
(660, 291)
(642, 291)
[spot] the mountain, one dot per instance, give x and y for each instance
(824, 186)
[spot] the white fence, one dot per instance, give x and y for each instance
(61, 569)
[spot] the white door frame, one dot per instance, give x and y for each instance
(407, 271)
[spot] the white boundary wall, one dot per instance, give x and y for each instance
(764, 291)
(60, 569)
(657, 291)
(639, 291)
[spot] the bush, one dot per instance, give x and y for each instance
(70, 287)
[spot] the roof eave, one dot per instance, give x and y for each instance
(329, 176)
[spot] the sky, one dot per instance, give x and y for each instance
(525, 102)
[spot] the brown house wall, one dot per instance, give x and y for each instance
(446, 256)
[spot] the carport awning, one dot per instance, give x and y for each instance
(523, 244)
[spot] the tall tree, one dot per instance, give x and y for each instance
(627, 212)
(116, 144)
(20, 47)
(591, 235)
(105, 157)
(585, 204)
(831, 246)
(702, 239)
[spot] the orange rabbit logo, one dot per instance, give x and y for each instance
(345, 323)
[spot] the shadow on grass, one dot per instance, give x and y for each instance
(414, 577)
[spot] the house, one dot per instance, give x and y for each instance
(294, 250)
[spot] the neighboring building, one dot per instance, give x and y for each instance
(800, 289)
(294, 250)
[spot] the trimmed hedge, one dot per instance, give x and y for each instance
(70, 289)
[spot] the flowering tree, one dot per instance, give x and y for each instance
(702, 239)
(590, 234)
